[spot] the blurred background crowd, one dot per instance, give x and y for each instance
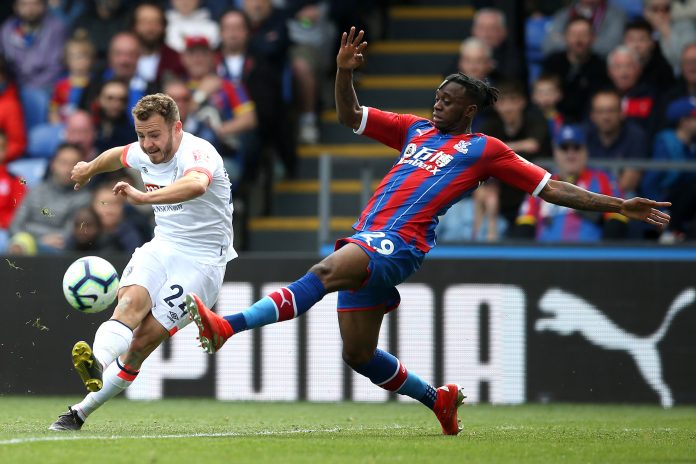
(581, 80)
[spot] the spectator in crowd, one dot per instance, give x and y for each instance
(12, 190)
(32, 42)
(80, 131)
(192, 122)
(489, 25)
(638, 98)
(266, 44)
(113, 128)
(582, 72)
(547, 95)
(476, 60)
(269, 32)
(552, 223)
(11, 116)
(656, 71)
(100, 22)
(683, 9)
(684, 87)
(118, 233)
(610, 136)
(309, 30)
(673, 35)
(225, 104)
(523, 128)
(86, 231)
(124, 52)
(44, 217)
(679, 187)
(67, 92)
(188, 18)
(606, 20)
(157, 60)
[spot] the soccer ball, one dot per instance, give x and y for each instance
(90, 284)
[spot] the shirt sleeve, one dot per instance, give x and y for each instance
(509, 167)
(130, 156)
(385, 127)
(199, 159)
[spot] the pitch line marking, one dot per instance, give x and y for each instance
(19, 441)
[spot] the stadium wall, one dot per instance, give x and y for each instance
(508, 330)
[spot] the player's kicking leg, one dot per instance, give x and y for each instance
(213, 330)
(118, 375)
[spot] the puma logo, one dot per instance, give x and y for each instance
(284, 302)
(568, 313)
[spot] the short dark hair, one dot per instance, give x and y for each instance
(242, 13)
(482, 94)
(69, 146)
(576, 19)
(512, 87)
(639, 24)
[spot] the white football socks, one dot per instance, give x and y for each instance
(111, 341)
(113, 385)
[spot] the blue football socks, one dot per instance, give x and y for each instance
(386, 371)
(283, 304)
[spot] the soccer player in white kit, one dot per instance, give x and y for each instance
(189, 191)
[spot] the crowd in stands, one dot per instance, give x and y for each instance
(246, 75)
(605, 80)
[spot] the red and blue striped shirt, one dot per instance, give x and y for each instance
(434, 171)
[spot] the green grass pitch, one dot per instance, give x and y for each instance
(192, 431)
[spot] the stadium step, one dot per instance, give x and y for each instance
(430, 22)
(296, 233)
(412, 56)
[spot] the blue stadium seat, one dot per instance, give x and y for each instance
(35, 106)
(44, 139)
(534, 32)
(4, 239)
(31, 170)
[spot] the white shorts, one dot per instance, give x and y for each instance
(168, 276)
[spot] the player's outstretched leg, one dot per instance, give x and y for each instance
(213, 330)
(69, 420)
(281, 305)
(87, 366)
(449, 398)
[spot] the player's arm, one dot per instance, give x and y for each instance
(192, 185)
(350, 56)
(566, 194)
(108, 161)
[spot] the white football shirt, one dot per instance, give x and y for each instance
(201, 228)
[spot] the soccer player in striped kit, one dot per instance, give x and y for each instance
(440, 162)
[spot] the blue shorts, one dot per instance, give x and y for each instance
(391, 262)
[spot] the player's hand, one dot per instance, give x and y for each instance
(132, 194)
(350, 54)
(646, 210)
(80, 174)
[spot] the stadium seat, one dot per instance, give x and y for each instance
(35, 106)
(31, 170)
(44, 139)
(4, 239)
(534, 32)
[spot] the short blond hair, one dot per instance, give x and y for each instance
(158, 103)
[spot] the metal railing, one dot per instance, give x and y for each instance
(369, 165)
